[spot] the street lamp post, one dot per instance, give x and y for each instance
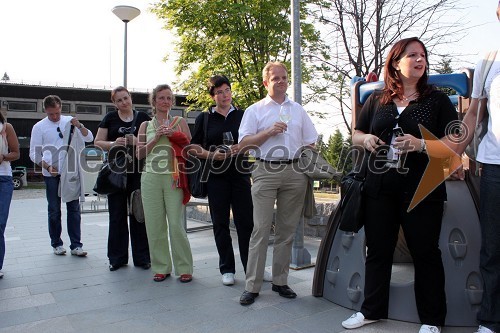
(301, 258)
(126, 14)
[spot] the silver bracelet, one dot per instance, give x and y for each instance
(423, 146)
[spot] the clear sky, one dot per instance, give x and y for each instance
(67, 42)
(81, 42)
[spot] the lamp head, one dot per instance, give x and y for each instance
(126, 13)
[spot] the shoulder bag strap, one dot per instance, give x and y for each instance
(363, 170)
(134, 121)
(205, 130)
(175, 121)
(488, 61)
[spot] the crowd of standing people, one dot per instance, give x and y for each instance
(387, 129)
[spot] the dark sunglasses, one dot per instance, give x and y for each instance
(59, 131)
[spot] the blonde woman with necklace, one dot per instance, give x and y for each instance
(164, 188)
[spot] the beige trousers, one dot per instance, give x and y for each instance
(284, 185)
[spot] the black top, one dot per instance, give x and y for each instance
(118, 128)
(217, 124)
(434, 111)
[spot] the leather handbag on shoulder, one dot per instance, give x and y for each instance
(197, 168)
(351, 202)
(112, 176)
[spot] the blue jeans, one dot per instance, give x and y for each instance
(73, 217)
(6, 189)
(489, 259)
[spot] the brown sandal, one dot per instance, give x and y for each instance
(160, 277)
(186, 278)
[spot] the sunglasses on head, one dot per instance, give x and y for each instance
(59, 131)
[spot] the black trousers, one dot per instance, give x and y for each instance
(421, 227)
(230, 190)
(119, 228)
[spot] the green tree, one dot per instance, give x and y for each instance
(335, 145)
(320, 145)
(333, 152)
(444, 67)
(235, 38)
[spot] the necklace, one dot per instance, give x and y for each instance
(127, 118)
(409, 97)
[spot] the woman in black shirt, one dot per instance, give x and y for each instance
(117, 134)
(388, 130)
(229, 180)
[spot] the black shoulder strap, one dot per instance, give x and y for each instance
(134, 121)
(205, 130)
(71, 131)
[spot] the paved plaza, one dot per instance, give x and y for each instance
(42, 292)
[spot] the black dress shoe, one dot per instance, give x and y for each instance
(248, 298)
(114, 267)
(284, 291)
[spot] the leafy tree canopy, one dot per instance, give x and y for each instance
(235, 38)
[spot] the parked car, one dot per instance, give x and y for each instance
(17, 178)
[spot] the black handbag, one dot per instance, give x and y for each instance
(351, 202)
(112, 176)
(351, 205)
(197, 168)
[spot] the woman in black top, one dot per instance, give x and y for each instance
(388, 129)
(117, 134)
(229, 180)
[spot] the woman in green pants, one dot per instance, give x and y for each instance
(164, 188)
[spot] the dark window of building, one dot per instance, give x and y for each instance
(149, 111)
(21, 106)
(66, 108)
(110, 108)
(88, 109)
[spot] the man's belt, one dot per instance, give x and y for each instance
(295, 160)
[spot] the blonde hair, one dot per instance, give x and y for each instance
(269, 66)
(156, 90)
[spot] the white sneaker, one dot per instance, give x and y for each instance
(268, 277)
(356, 320)
(483, 329)
(78, 251)
(228, 279)
(429, 329)
(59, 250)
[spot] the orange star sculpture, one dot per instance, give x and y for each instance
(443, 161)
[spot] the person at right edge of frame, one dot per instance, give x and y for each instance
(276, 179)
(489, 208)
(388, 129)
